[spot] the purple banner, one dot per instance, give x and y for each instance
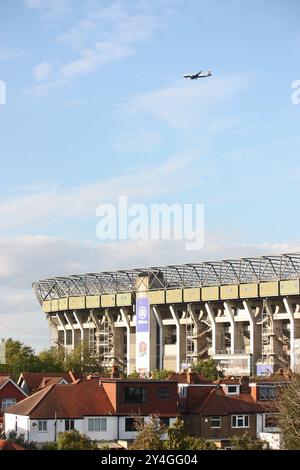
(142, 315)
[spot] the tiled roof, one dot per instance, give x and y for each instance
(215, 402)
(34, 379)
(83, 398)
(3, 380)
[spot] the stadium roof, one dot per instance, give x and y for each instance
(207, 273)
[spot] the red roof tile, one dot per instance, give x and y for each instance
(84, 398)
(217, 403)
(34, 379)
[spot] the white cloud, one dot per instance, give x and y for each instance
(91, 59)
(42, 71)
(187, 104)
(52, 203)
(103, 35)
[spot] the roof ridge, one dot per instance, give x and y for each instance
(208, 397)
(44, 392)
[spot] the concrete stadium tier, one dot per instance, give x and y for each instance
(243, 313)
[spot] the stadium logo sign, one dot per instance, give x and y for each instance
(2, 92)
(153, 222)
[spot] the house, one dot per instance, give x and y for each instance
(104, 410)
(31, 382)
(265, 390)
(220, 410)
(10, 394)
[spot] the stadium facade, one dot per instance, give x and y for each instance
(244, 313)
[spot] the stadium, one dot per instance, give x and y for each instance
(244, 313)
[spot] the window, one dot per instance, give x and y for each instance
(215, 422)
(42, 426)
(267, 392)
(7, 403)
(164, 422)
(271, 420)
(97, 424)
(131, 424)
(240, 421)
(232, 389)
(69, 424)
(182, 391)
(135, 395)
(164, 392)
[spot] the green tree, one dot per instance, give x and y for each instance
(73, 440)
(134, 375)
(287, 406)
(177, 436)
(199, 443)
(81, 360)
(245, 442)
(161, 374)
(150, 435)
(178, 439)
(20, 439)
(52, 360)
(208, 368)
(20, 358)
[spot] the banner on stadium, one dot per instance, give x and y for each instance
(142, 335)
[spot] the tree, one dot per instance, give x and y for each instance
(208, 368)
(134, 375)
(73, 440)
(13, 436)
(176, 436)
(178, 439)
(199, 443)
(52, 360)
(20, 358)
(150, 435)
(81, 360)
(245, 442)
(161, 374)
(288, 407)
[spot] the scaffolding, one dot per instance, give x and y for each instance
(106, 340)
(189, 339)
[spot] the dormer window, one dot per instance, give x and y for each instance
(232, 389)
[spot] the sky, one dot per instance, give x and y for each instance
(96, 107)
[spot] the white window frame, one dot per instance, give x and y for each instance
(41, 423)
(240, 417)
(233, 393)
(94, 428)
(71, 428)
(216, 418)
(4, 405)
(264, 421)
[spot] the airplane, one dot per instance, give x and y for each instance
(198, 75)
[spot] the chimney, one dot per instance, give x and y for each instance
(190, 377)
(115, 374)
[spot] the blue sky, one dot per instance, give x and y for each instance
(96, 107)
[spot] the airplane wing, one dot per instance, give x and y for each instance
(187, 75)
